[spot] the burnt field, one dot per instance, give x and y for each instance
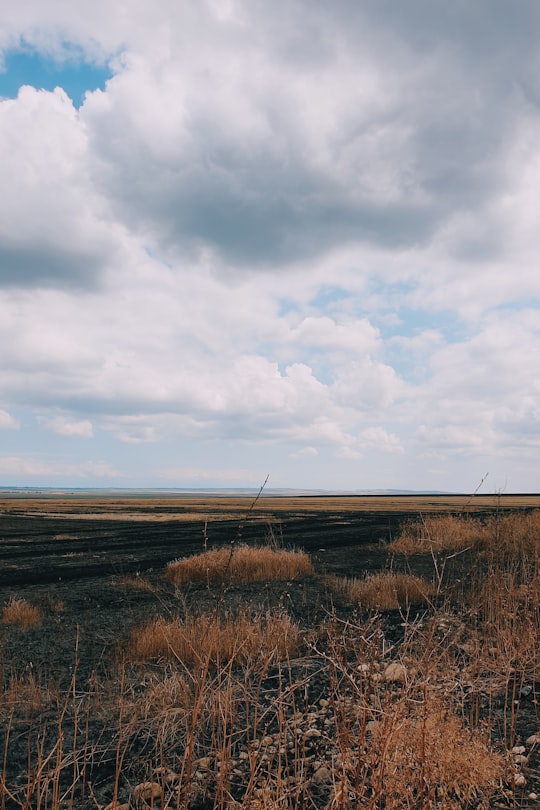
(51, 539)
(90, 711)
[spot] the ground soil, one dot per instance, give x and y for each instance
(77, 561)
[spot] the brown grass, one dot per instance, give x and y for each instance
(423, 755)
(209, 638)
(20, 613)
(384, 591)
(240, 564)
(137, 582)
(440, 533)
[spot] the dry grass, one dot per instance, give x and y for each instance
(137, 582)
(243, 639)
(440, 533)
(423, 755)
(502, 536)
(384, 591)
(364, 719)
(240, 564)
(20, 613)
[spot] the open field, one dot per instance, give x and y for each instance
(376, 675)
(47, 538)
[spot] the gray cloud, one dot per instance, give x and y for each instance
(250, 171)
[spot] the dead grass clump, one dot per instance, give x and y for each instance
(440, 533)
(243, 639)
(20, 613)
(240, 564)
(137, 582)
(423, 755)
(384, 591)
(25, 692)
(513, 537)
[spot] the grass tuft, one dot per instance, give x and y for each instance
(384, 591)
(20, 613)
(209, 638)
(239, 565)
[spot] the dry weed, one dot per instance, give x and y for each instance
(240, 564)
(20, 613)
(242, 640)
(137, 582)
(384, 591)
(422, 755)
(440, 533)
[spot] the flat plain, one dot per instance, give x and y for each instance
(82, 726)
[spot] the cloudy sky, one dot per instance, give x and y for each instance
(298, 239)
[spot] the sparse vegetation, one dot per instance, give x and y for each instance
(205, 639)
(20, 613)
(407, 692)
(240, 564)
(389, 590)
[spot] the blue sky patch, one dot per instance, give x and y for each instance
(73, 75)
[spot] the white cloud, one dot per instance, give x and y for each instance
(81, 429)
(312, 232)
(7, 422)
(44, 470)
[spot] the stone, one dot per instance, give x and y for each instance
(166, 774)
(146, 792)
(322, 776)
(203, 763)
(395, 673)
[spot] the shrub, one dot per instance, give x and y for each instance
(240, 564)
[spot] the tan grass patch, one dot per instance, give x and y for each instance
(201, 639)
(423, 755)
(20, 613)
(240, 564)
(384, 591)
(440, 533)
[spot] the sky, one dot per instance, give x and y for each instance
(301, 243)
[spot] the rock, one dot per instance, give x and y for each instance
(203, 764)
(165, 774)
(146, 793)
(312, 732)
(322, 775)
(395, 673)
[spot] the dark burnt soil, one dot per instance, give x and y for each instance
(95, 580)
(44, 549)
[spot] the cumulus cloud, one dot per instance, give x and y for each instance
(313, 232)
(53, 228)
